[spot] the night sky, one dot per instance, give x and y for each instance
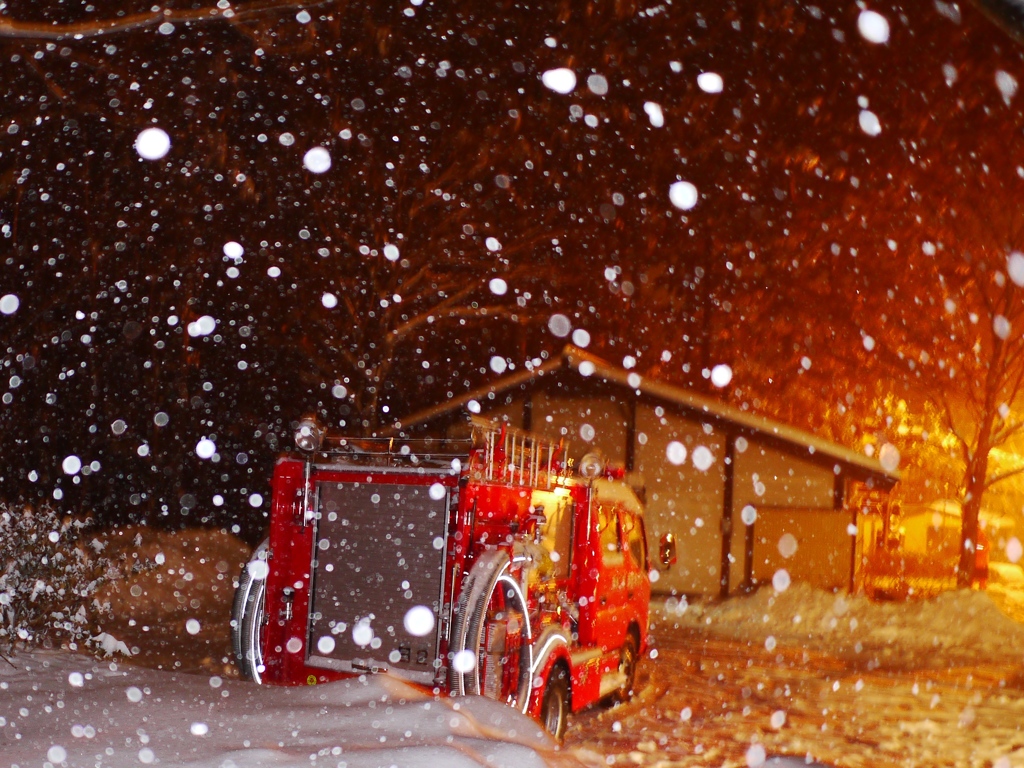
(850, 186)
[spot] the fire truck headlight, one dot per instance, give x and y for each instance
(309, 435)
(592, 465)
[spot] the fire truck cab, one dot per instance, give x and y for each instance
(485, 565)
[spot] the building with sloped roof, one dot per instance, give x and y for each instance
(743, 497)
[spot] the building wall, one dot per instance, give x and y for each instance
(508, 407)
(682, 499)
(788, 495)
(824, 547)
(587, 422)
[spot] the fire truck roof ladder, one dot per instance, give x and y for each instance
(518, 457)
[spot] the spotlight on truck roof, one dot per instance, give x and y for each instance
(309, 435)
(592, 465)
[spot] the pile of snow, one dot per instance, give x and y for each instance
(171, 605)
(49, 575)
(60, 709)
(960, 625)
(1010, 574)
(168, 574)
(170, 609)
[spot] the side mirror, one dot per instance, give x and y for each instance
(667, 551)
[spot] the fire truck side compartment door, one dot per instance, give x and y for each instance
(609, 614)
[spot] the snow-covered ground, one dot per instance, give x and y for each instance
(166, 695)
(800, 673)
(954, 627)
(58, 708)
(824, 677)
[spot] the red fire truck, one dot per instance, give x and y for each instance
(483, 565)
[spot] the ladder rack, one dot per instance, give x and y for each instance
(518, 457)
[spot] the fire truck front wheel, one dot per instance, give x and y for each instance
(554, 708)
(247, 616)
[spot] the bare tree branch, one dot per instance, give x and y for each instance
(999, 477)
(100, 27)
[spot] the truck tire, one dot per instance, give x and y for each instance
(627, 667)
(488, 586)
(555, 705)
(248, 617)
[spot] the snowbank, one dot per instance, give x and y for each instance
(60, 709)
(963, 625)
(172, 573)
(171, 606)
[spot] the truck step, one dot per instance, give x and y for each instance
(611, 682)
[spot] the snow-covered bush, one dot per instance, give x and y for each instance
(49, 576)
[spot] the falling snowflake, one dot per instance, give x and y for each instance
(258, 570)
(869, 122)
(233, 250)
(362, 633)
(787, 545)
(152, 143)
(9, 304)
(317, 160)
(1014, 267)
(203, 326)
(889, 457)
(781, 580)
(710, 82)
(464, 661)
(675, 452)
(560, 80)
(873, 27)
(1014, 550)
(419, 621)
(702, 458)
(1001, 326)
(581, 338)
(721, 375)
(559, 325)
(1007, 85)
(683, 195)
(598, 84)
(654, 114)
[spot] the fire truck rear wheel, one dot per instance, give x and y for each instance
(627, 667)
(247, 620)
(490, 582)
(554, 709)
